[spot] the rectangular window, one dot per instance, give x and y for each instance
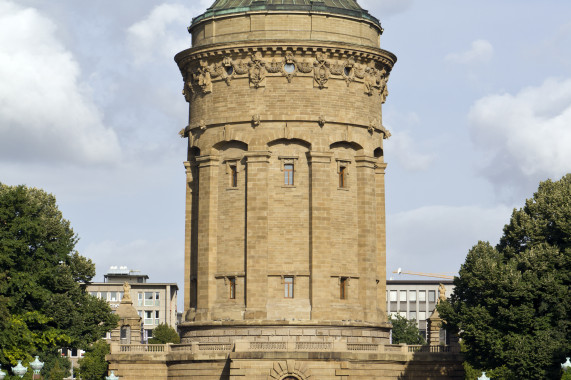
(233, 176)
(288, 174)
(393, 296)
(157, 299)
(156, 317)
(104, 296)
(94, 294)
(232, 282)
(412, 296)
(422, 315)
(288, 287)
(120, 296)
(422, 296)
(140, 297)
(342, 176)
(343, 288)
(113, 296)
(148, 317)
(412, 315)
(403, 295)
(148, 298)
(431, 296)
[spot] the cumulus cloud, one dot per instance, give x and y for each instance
(437, 238)
(525, 137)
(46, 113)
(405, 150)
(158, 35)
(481, 51)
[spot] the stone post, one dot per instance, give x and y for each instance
(434, 326)
(320, 224)
(256, 280)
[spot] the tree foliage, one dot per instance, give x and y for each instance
(512, 302)
(93, 365)
(405, 331)
(43, 302)
(163, 333)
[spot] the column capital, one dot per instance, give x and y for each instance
(258, 156)
(208, 160)
(319, 157)
(380, 168)
(366, 162)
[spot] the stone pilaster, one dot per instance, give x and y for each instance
(367, 243)
(256, 234)
(207, 235)
(320, 224)
(381, 240)
(187, 236)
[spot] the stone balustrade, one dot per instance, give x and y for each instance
(244, 346)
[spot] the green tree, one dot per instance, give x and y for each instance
(43, 302)
(512, 302)
(93, 365)
(405, 331)
(163, 333)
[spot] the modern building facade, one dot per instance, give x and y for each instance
(416, 299)
(155, 302)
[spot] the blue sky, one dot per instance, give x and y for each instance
(90, 108)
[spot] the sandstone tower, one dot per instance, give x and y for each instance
(285, 203)
(285, 210)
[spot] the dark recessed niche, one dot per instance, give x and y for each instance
(229, 70)
(347, 71)
(289, 68)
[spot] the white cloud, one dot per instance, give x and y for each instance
(161, 34)
(437, 238)
(481, 51)
(404, 149)
(385, 8)
(46, 113)
(525, 137)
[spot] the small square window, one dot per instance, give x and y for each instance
(288, 287)
(393, 296)
(422, 296)
(403, 295)
(288, 174)
(431, 296)
(412, 296)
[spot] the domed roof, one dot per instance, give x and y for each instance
(344, 7)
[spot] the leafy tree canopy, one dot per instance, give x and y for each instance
(163, 333)
(405, 331)
(93, 365)
(512, 302)
(43, 302)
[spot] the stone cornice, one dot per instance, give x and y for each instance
(336, 50)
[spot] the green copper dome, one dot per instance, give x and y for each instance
(343, 7)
